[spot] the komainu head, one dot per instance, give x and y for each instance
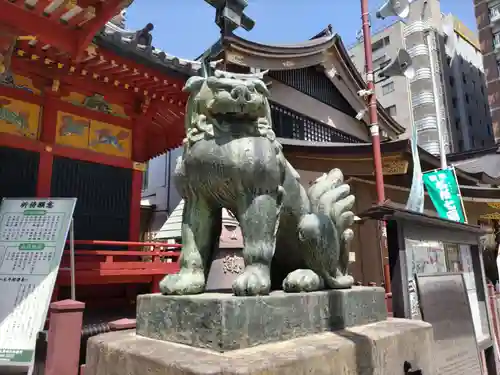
(227, 102)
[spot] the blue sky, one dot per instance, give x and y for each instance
(185, 28)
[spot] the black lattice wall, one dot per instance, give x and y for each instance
(291, 124)
(18, 172)
(314, 83)
(103, 192)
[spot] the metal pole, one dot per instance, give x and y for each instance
(372, 103)
(437, 102)
(72, 260)
(374, 130)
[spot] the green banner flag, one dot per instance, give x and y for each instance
(443, 190)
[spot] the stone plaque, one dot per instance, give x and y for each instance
(444, 304)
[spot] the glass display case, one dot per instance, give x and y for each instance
(429, 257)
(420, 245)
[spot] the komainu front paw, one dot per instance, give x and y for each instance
(183, 283)
(254, 281)
(340, 282)
(302, 281)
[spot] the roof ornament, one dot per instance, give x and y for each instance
(143, 37)
(118, 24)
(120, 19)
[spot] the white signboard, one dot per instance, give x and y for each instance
(32, 237)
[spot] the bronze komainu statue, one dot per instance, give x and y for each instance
(293, 239)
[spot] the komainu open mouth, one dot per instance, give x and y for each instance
(236, 117)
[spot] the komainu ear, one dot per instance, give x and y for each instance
(193, 84)
(261, 87)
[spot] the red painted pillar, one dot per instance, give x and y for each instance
(44, 180)
(65, 330)
(494, 315)
(135, 206)
(47, 136)
(138, 147)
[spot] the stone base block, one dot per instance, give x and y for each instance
(374, 349)
(225, 322)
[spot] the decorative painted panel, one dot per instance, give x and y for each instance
(72, 130)
(18, 82)
(110, 139)
(20, 118)
(81, 132)
(95, 102)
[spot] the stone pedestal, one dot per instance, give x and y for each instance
(374, 349)
(331, 332)
(225, 322)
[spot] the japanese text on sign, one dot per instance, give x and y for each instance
(32, 237)
(443, 190)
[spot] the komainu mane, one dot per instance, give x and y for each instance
(295, 240)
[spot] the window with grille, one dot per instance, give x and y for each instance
(388, 88)
(494, 13)
(392, 110)
(496, 40)
(145, 177)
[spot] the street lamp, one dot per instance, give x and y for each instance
(229, 15)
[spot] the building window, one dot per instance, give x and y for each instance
(145, 177)
(464, 79)
(384, 64)
(467, 98)
(482, 90)
(460, 145)
(494, 13)
(470, 121)
(488, 128)
(457, 124)
(392, 110)
(388, 88)
(452, 81)
(454, 102)
(379, 44)
(496, 40)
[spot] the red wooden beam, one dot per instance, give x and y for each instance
(26, 22)
(108, 55)
(104, 13)
(40, 6)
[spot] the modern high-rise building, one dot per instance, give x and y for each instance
(488, 25)
(462, 102)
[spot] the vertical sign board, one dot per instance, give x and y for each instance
(444, 192)
(33, 233)
(444, 303)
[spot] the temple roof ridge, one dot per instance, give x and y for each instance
(127, 40)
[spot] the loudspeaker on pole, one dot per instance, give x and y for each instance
(398, 8)
(400, 65)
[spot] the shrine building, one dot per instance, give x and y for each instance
(82, 123)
